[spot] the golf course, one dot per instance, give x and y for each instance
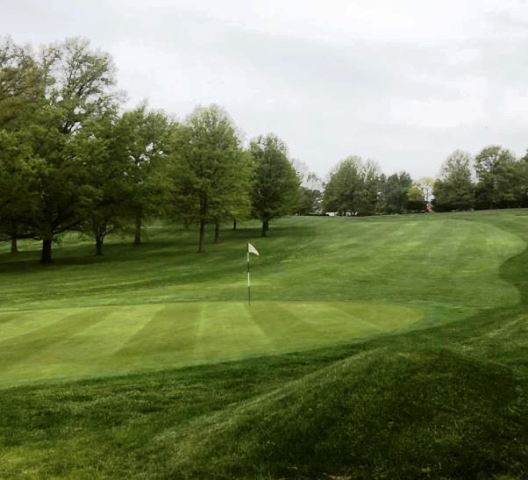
(378, 347)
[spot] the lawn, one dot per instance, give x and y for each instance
(380, 347)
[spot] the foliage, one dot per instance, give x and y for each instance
(497, 178)
(309, 202)
(415, 198)
(353, 188)
(455, 189)
(275, 183)
(142, 138)
(394, 193)
(209, 172)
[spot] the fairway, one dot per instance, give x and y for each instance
(400, 336)
(319, 282)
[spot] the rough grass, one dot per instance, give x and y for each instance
(442, 396)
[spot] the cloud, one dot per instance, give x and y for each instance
(403, 82)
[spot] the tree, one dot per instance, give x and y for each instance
(394, 190)
(497, 179)
(78, 84)
(102, 155)
(17, 187)
(353, 187)
(343, 187)
(310, 201)
(426, 184)
(455, 189)
(21, 84)
(209, 171)
(367, 198)
(276, 184)
(415, 198)
(21, 88)
(144, 138)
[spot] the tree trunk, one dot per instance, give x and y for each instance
(14, 246)
(265, 227)
(201, 248)
(217, 232)
(45, 256)
(99, 247)
(137, 235)
(234, 224)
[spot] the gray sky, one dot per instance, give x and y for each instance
(403, 82)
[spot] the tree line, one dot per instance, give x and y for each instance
(72, 159)
(358, 187)
(494, 178)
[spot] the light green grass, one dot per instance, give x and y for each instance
(319, 281)
(98, 341)
(376, 348)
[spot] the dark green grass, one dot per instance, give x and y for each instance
(446, 400)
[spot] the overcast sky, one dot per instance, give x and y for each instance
(402, 82)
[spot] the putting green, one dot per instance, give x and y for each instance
(87, 342)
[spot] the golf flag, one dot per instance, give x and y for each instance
(254, 251)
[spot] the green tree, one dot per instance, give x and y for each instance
(415, 198)
(310, 201)
(353, 188)
(394, 190)
(344, 186)
(17, 187)
(144, 137)
(276, 184)
(21, 84)
(79, 85)
(455, 190)
(367, 198)
(99, 149)
(209, 171)
(426, 184)
(497, 179)
(21, 88)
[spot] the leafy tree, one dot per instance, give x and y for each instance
(144, 139)
(78, 84)
(353, 187)
(17, 187)
(209, 172)
(99, 149)
(394, 190)
(21, 87)
(426, 184)
(275, 181)
(415, 198)
(344, 187)
(455, 189)
(310, 201)
(522, 181)
(497, 180)
(367, 198)
(21, 84)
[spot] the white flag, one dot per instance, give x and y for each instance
(252, 249)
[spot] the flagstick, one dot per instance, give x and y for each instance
(249, 279)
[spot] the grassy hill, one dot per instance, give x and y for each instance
(382, 347)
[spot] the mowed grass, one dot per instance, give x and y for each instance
(87, 342)
(320, 281)
(383, 347)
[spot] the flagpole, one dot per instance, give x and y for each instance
(249, 279)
